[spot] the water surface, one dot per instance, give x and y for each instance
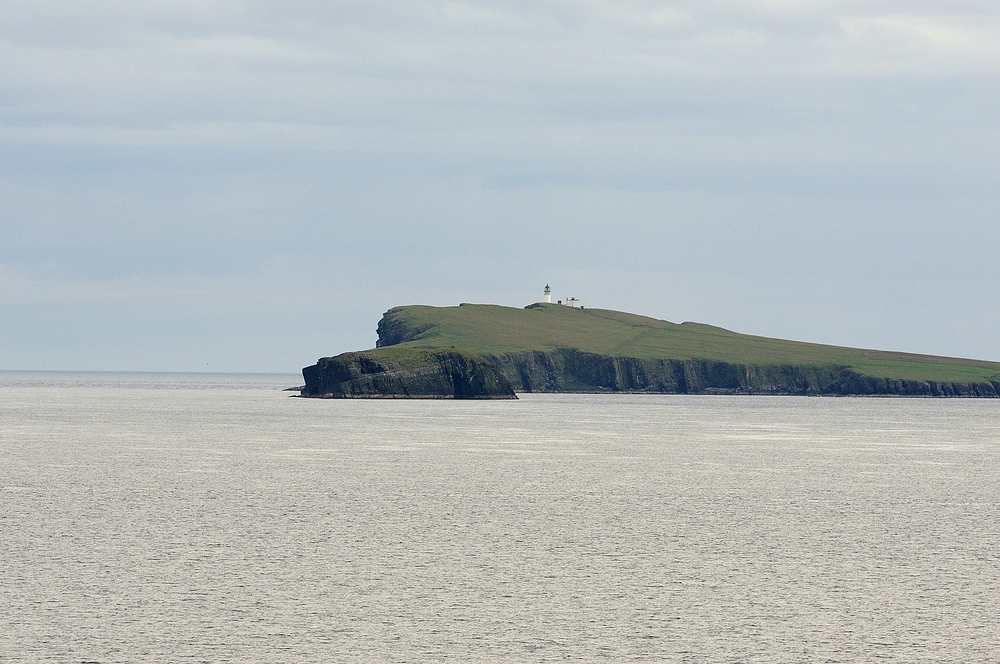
(218, 519)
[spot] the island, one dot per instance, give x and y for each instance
(484, 351)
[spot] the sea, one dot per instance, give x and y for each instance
(220, 518)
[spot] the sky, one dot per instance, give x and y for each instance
(247, 186)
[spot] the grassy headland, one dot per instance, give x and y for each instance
(497, 332)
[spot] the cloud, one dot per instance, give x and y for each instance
(423, 64)
(434, 151)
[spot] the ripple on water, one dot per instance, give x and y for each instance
(233, 523)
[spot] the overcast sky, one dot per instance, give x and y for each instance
(247, 186)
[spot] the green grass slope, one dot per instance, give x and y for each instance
(491, 329)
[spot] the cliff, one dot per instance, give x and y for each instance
(549, 348)
(406, 373)
(569, 370)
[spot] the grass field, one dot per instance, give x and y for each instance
(492, 329)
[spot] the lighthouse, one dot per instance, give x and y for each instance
(547, 293)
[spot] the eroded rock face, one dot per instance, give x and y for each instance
(393, 330)
(569, 370)
(406, 373)
(572, 370)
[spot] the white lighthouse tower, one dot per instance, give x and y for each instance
(547, 294)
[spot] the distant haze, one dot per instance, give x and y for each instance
(247, 186)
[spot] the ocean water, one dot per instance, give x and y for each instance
(173, 518)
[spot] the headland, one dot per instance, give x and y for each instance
(489, 351)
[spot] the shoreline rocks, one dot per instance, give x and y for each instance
(405, 373)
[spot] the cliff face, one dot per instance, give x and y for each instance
(568, 370)
(393, 330)
(571, 370)
(406, 373)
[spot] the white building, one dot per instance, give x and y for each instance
(570, 301)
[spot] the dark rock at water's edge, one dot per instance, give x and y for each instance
(406, 373)
(569, 370)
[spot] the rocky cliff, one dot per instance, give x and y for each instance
(406, 373)
(568, 370)
(574, 370)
